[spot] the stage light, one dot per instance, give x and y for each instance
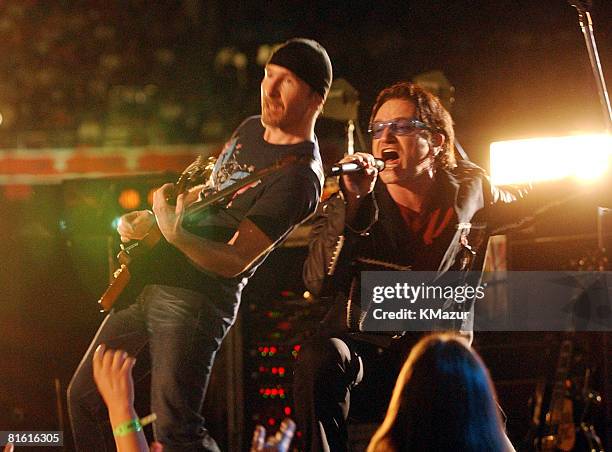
(129, 199)
(585, 157)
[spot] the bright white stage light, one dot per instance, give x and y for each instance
(586, 157)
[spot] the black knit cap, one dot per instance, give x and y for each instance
(308, 60)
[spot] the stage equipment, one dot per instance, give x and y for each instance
(342, 104)
(563, 410)
(586, 24)
(604, 242)
(436, 82)
(586, 157)
(277, 315)
(564, 415)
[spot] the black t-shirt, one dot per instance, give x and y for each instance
(277, 204)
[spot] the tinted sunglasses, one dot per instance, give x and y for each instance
(397, 127)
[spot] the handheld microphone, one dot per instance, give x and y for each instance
(338, 169)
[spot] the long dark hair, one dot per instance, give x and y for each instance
(443, 400)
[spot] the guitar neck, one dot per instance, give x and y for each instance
(561, 374)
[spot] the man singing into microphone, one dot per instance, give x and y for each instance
(426, 211)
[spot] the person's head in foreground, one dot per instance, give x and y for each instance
(443, 400)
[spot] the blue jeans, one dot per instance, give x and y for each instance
(182, 331)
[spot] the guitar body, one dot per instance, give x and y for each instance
(132, 256)
(152, 260)
(558, 429)
(566, 429)
(122, 276)
(561, 434)
(562, 429)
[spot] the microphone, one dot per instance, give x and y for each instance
(338, 169)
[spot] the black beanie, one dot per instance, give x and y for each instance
(308, 60)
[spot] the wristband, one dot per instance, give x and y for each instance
(134, 425)
(125, 428)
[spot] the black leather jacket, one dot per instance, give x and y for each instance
(465, 210)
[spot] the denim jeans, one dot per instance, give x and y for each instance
(182, 331)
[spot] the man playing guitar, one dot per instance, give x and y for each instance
(194, 277)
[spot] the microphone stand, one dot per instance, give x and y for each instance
(586, 24)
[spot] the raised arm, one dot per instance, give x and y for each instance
(350, 212)
(113, 376)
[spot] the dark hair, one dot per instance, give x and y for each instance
(443, 400)
(429, 110)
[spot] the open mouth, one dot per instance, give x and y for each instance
(390, 157)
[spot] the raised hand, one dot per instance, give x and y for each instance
(277, 443)
(112, 371)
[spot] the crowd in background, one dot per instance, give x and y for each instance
(103, 74)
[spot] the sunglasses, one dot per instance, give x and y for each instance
(396, 127)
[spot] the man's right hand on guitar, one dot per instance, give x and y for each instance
(135, 225)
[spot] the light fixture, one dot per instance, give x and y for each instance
(585, 157)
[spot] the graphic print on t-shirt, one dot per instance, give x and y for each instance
(227, 169)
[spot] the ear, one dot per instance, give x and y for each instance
(437, 139)
(317, 102)
(435, 143)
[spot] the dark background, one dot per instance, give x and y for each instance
(136, 72)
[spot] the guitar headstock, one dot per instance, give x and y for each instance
(196, 173)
